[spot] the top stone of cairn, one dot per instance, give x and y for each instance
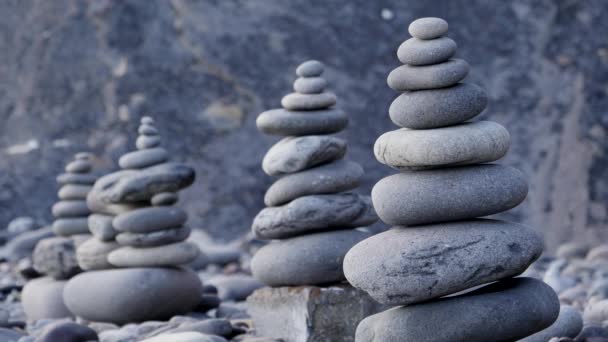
(428, 28)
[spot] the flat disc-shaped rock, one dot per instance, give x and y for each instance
(311, 68)
(162, 237)
(468, 143)
(70, 208)
(314, 213)
(329, 178)
(101, 226)
(299, 102)
(504, 311)
(421, 197)
(143, 158)
(416, 51)
(147, 141)
(309, 85)
(293, 154)
(311, 259)
(436, 108)
(283, 122)
(71, 226)
(150, 219)
(93, 254)
(76, 178)
(411, 265)
(408, 77)
(78, 166)
(132, 295)
(168, 255)
(74, 191)
(428, 28)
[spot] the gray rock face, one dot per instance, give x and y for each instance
(464, 192)
(283, 122)
(415, 51)
(407, 77)
(314, 213)
(56, 257)
(132, 295)
(305, 260)
(464, 144)
(569, 323)
(428, 28)
(42, 298)
(411, 265)
(504, 311)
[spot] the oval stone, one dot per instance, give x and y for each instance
(311, 259)
(147, 129)
(164, 199)
(407, 77)
(42, 298)
(421, 197)
(143, 158)
(147, 141)
(311, 68)
(76, 178)
(283, 122)
(464, 144)
(308, 102)
(150, 219)
(74, 192)
(70, 209)
(292, 154)
(162, 237)
(71, 226)
(428, 28)
(410, 265)
(167, 255)
(93, 254)
(569, 323)
(78, 166)
(416, 51)
(146, 120)
(504, 311)
(329, 178)
(309, 85)
(436, 108)
(123, 296)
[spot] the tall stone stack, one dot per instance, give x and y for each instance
(139, 248)
(439, 245)
(311, 216)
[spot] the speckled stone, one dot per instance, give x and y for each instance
(283, 122)
(464, 144)
(174, 254)
(141, 159)
(415, 51)
(93, 254)
(56, 257)
(329, 178)
(407, 77)
(415, 264)
(569, 323)
(152, 239)
(428, 28)
(504, 311)
(150, 219)
(311, 68)
(436, 108)
(309, 85)
(311, 102)
(421, 197)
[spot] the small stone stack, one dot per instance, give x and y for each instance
(138, 244)
(439, 246)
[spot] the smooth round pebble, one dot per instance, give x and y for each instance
(569, 323)
(311, 68)
(146, 120)
(147, 141)
(71, 226)
(141, 159)
(416, 51)
(67, 332)
(74, 192)
(93, 254)
(164, 199)
(442, 75)
(70, 209)
(150, 219)
(428, 28)
(308, 102)
(78, 166)
(147, 129)
(76, 178)
(167, 255)
(309, 85)
(42, 298)
(283, 122)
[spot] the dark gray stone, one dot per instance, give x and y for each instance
(141, 159)
(67, 332)
(234, 287)
(101, 226)
(158, 238)
(504, 311)
(569, 323)
(283, 122)
(174, 254)
(407, 77)
(303, 102)
(150, 219)
(56, 257)
(428, 196)
(76, 178)
(428, 28)
(415, 51)
(74, 192)
(411, 265)
(43, 298)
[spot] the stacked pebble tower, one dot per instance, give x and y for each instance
(308, 212)
(140, 241)
(439, 246)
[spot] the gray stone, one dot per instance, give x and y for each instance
(309, 85)
(101, 227)
(598, 253)
(283, 122)
(428, 28)
(71, 226)
(219, 327)
(96, 205)
(416, 51)
(572, 250)
(309, 313)
(67, 332)
(147, 129)
(78, 166)
(569, 323)
(93, 254)
(446, 74)
(293, 154)
(150, 219)
(234, 287)
(10, 335)
(43, 298)
(311, 259)
(158, 238)
(147, 141)
(167, 255)
(435, 108)
(311, 68)
(504, 311)
(596, 312)
(20, 225)
(23, 245)
(411, 265)
(314, 213)
(56, 257)
(70, 209)
(76, 178)
(428, 196)
(141, 159)
(164, 198)
(308, 102)
(132, 295)
(74, 192)
(341, 175)
(464, 144)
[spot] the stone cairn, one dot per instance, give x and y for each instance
(439, 246)
(55, 257)
(138, 243)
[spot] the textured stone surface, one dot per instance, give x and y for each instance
(56, 257)
(504, 311)
(309, 313)
(93, 254)
(424, 52)
(410, 265)
(104, 63)
(569, 323)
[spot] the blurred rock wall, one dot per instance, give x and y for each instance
(76, 75)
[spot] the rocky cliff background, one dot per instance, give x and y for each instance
(77, 75)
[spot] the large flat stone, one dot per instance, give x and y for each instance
(283, 122)
(310, 313)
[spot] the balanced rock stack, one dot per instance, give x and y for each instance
(308, 212)
(439, 246)
(138, 244)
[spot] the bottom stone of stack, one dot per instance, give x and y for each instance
(42, 298)
(132, 294)
(310, 313)
(503, 311)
